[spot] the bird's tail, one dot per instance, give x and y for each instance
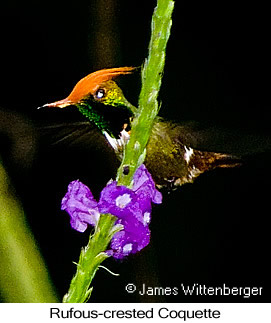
(205, 161)
(226, 160)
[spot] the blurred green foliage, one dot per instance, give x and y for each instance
(23, 275)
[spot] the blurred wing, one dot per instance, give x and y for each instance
(218, 139)
(76, 137)
(76, 150)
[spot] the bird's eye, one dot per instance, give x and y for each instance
(100, 94)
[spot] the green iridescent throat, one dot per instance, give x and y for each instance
(109, 118)
(92, 115)
(108, 108)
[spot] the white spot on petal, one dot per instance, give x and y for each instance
(123, 200)
(127, 248)
(146, 218)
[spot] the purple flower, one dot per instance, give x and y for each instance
(132, 239)
(132, 207)
(118, 200)
(133, 211)
(144, 185)
(81, 206)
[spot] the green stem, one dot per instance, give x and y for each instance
(93, 255)
(152, 72)
(90, 258)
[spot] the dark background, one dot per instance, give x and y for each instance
(217, 73)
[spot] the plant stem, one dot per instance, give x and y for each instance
(152, 72)
(93, 255)
(90, 258)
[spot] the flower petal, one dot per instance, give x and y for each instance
(81, 206)
(144, 185)
(134, 237)
(131, 207)
(117, 200)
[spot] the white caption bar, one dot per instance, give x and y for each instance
(158, 312)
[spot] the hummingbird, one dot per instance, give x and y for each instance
(171, 157)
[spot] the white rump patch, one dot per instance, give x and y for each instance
(188, 153)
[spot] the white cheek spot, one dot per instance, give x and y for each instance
(123, 200)
(188, 153)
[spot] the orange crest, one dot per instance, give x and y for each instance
(91, 82)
